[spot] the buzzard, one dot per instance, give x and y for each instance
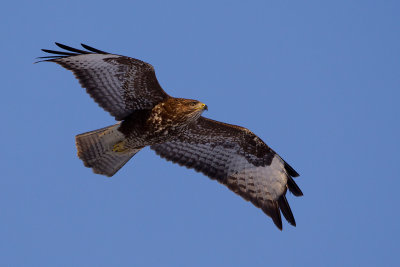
(173, 127)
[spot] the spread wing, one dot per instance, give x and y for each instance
(117, 83)
(237, 158)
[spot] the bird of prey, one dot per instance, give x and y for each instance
(173, 127)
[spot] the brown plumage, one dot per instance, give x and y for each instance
(173, 127)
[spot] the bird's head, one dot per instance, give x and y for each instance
(186, 109)
(193, 105)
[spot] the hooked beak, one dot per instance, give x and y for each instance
(204, 106)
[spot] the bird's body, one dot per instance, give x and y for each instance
(174, 129)
(161, 124)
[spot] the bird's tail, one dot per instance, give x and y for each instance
(100, 150)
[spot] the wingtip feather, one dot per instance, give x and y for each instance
(290, 170)
(58, 52)
(69, 48)
(69, 51)
(271, 208)
(293, 187)
(93, 49)
(286, 211)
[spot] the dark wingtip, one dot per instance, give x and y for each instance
(293, 187)
(278, 220)
(286, 211)
(271, 208)
(69, 51)
(68, 48)
(59, 52)
(290, 170)
(47, 59)
(93, 49)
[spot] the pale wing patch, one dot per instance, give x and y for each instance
(237, 158)
(103, 81)
(117, 83)
(229, 168)
(268, 182)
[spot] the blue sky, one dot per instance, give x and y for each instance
(316, 80)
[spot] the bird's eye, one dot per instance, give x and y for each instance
(193, 104)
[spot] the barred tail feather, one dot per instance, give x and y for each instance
(95, 149)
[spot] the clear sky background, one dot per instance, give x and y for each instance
(318, 81)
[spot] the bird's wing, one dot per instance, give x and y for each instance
(117, 83)
(237, 158)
